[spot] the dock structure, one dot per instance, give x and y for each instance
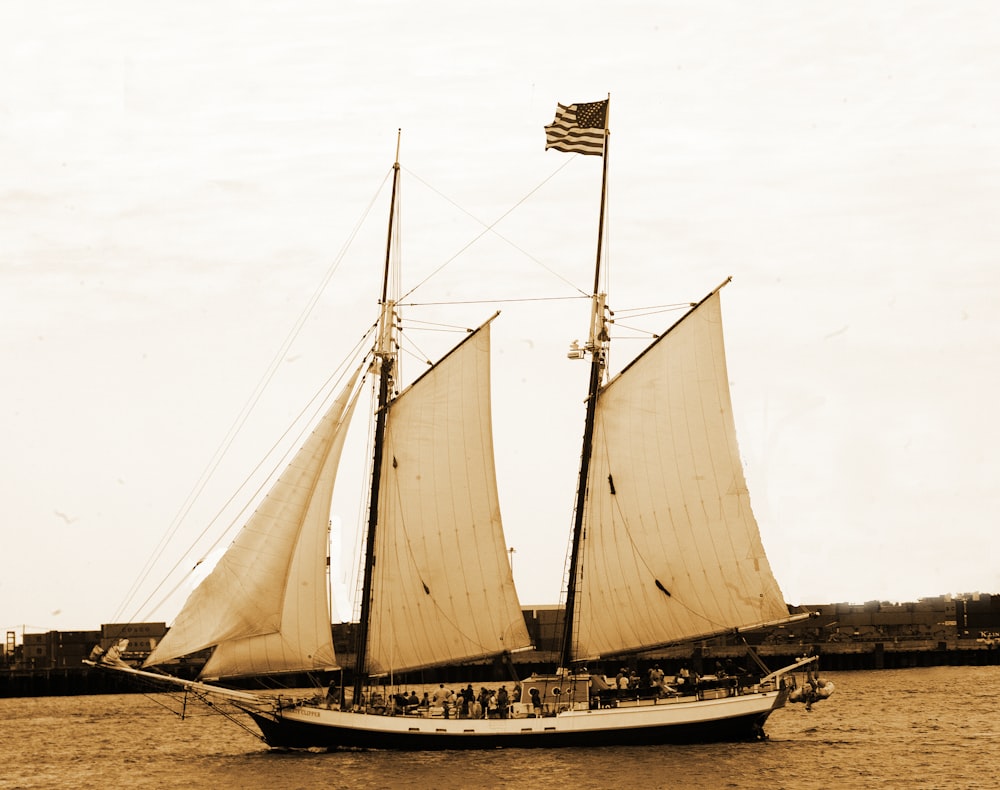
(946, 630)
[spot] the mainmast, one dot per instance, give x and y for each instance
(383, 364)
(579, 128)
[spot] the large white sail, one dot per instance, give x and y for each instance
(671, 548)
(265, 605)
(442, 587)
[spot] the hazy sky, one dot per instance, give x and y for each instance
(176, 183)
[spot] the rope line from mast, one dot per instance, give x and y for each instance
(240, 421)
(317, 398)
(491, 228)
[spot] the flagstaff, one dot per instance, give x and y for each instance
(583, 129)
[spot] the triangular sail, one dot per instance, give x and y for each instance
(442, 588)
(265, 605)
(671, 549)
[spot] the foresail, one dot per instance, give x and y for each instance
(265, 605)
(442, 589)
(671, 547)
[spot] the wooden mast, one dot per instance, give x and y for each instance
(384, 358)
(597, 346)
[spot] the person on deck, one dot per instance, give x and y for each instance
(658, 681)
(468, 697)
(503, 702)
(484, 701)
(440, 698)
(536, 702)
(399, 703)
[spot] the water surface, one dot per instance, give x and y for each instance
(912, 728)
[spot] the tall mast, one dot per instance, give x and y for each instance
(385, 355)
(597, 345)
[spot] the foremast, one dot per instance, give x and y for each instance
(579, 138)
(384, 367)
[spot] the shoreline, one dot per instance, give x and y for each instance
(834, 657)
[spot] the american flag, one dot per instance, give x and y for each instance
(578, 128)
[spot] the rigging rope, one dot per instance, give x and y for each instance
(491, 228)
(237, 426)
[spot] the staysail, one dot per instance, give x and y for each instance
(670, 547)
(442, 588)
(265, 605)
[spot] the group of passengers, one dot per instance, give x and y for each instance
(462, 704)
(627, 684)
(656, 681)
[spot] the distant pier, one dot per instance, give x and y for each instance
(943, 631)
(837, 657)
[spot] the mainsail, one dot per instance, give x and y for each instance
(442, 588)
(670, 547)
(265, 606)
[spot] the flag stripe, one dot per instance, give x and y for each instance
(578, 128)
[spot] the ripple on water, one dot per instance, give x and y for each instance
(933, 727)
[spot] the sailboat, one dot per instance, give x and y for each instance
(664, 549)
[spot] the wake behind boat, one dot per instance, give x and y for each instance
(664, 549)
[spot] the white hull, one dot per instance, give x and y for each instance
(679, 720)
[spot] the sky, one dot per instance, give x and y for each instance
(179, 181)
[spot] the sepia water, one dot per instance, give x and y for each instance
(912, 728)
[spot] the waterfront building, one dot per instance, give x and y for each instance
(937, 625)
